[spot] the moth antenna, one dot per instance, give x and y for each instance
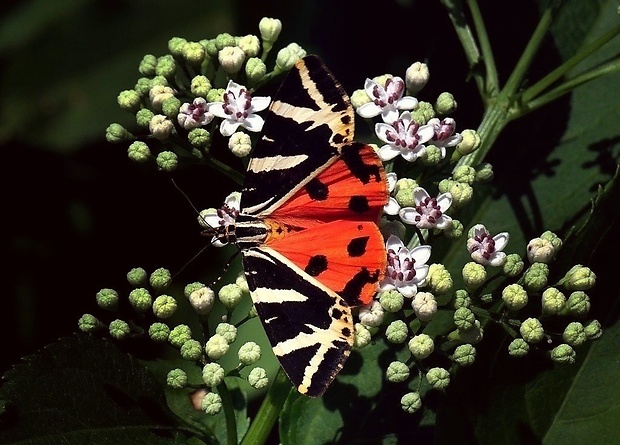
(226, 267)
(192, 206)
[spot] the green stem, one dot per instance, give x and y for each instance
(491, 84)
(269, 410)
(229, 414)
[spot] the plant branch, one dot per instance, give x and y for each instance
(491, 81)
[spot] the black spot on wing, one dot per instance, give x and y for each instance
(364, 172)
(358, 204)
(357, 246)
(317, 190)
(353, 289)
(316, 265)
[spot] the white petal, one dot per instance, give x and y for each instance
(408, 215)
(425, 133)
(409, 290)
(407, 103)
(234, 200)
(386, 285)
(217, 109)
(501, 239)
(413, 155)
(444, 201)
(382, 130)
(259, 103)
(443, 222)
(391, 180)
(394, 243)
(420, 274)
(419, 194)
(497, 259)
(388, 152)
(253, 122)
(228, 127)
(234, 87)
(217, 243)
(369, 87)
(421, 254)
(389, 114)
(392, 207)
(368, 110)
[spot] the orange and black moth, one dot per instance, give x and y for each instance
(307, 228)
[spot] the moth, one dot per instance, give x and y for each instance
(307, 228)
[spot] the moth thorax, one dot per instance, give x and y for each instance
(224, 234)
(250, 231)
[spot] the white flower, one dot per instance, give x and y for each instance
(444, 130)
(392, 207)
(406, 269)
(387, 100)
(487, 250)
(403, 137)
(371, 314)
(195, 114)
(213, 219)
(428, 212)
(238, 109)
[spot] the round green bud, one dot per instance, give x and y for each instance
(240, 144)
(404, 192)
(230, 295)
(288, 56)
(464, 173)
(223, 40)
(269, 30)
(553, 301)
(359, 98)
(170, 107)
(514, 297)
(210, 47)
(471, 336)
(211, 404)
(160, 127)
(129, 100)
(439, 378)
(231, 59)
(176, 378)
(563, 354)
(216, 347)
(397, 372)
(464, 319)
(228, 331)
(574, 334)
(474, 275)
(445, 104)
(464, 355)
(144, 118)
(461, 193)
(202, 300)
(593, 329)
(164, 306)
(175, 46)
(138, 151)
(439, 279)
(461, 299)
(484, 171)
(167, 160)
(89, 323)
(140, 299)
(250, 45)
(159, 81)
(191, 287)
(555, 240)
(535, 277)
(159, 332)
(532, 330)
(179, 335)
(257, 378)
(242, 283)
(470, 143)
(143, 86)
(200, 86)
(513, 265)
(213, 374)
(119, 329)
(116, 133)
(160, 279)
(191, 350)
(396, 332)
(147, 65)
(578, 304)
(416, 77)
(423, 113)
(137, 276)
(255, 70)
(579, 278)
(249, 353)
(421, 346)
(432, 155)
(107, 299)
(518, 348)
(411, 402)
(166, 66)
(391, 300)
(199, 138)
(215, 95)
(159, 93)
(194, 53)
(362, 336)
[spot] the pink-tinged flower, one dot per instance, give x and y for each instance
(403, 137)
(406, 269)
(387, 100)
(214, 219)
(238, 109)
(428, 212)
(444, 132)
(195, 114)
(392, 207)
(487, 250)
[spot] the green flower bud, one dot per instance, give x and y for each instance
(461, 299)
(202, 300)
(484, 171)
(160, 127)
(170, 107)
(439, 378)
(432, 155)
(474, 275)
(397, 372)
(200, 86)
(424, 113)
(143, 86)
(216, 347)
(454, 230)
(535, 277)
(439, 279)
(404, 192)
(176, 378)
(116, 133)
(574, 334)
(249, 353)
(470, 143)
(230, 295)
(159, 332)
(175, 46)
(194, 53)
(396, 332)
(137, 276)
(210, 47)
(164, 306)
(191, 350)
(213, 374)
(391, 301)
(553, 239)
(159, 93)
(579, 278)
(119, 329)
(472, 336)
(144, 118)
(216, 95)
(231, 59)
(421, 346)
(257, 378)
(255, 70)
(160, 279)
(464, 173)
(540, 251)
(167, 160)
(223, 40)
(191, 287)
(129, 100)
(159, 81)
(593, 329)
(445, 104)
(227, 330)
(424, 305)
(513, 265)
(147, 65)
(362, 336)
(107, 299)
(532, 330)
(552, 301)
(240, 144)
(250, 45)
(514, 297)
(179, 335)
(269, 31)
(411, 402)
(166, 66)
(464, 319)
(211, 404)
(460, 191)
(199, 138)
(89, 323)
(140, 299)
(518, 348)
(563, 354)
(138, 151)
(416, 77)
(578, 304)
(288, 56)
(242, 282)
(359, 98)
(464, 355)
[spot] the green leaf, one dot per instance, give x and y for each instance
(84, 390)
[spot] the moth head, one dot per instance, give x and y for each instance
(219, 224)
